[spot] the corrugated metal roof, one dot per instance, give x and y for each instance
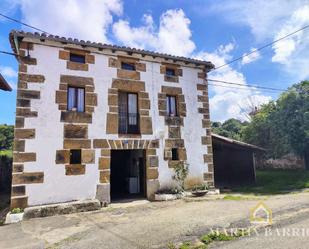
(42, 36)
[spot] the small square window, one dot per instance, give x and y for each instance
(75, 157)
(127, 66)
(170, 72)
(77, 58)
(175, 154)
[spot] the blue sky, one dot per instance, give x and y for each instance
(210, 30)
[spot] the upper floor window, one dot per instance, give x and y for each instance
(127, 66)
(75, 157)
(170, 72)
(76, 99)
(77, 58)
(171, 106)
(128, 113)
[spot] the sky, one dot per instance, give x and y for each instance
(216, 31)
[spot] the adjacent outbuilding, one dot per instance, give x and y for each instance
(4, 85)
(234, 161)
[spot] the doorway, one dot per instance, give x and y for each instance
(128, 174)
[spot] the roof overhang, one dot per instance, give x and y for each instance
(236, 143)
(17, 36)
(4, 85)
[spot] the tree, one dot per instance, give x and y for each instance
(230, 128)
(282, 126)
(6, 137)
(293, 115)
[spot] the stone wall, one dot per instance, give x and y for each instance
(22, 135)
(46, 131)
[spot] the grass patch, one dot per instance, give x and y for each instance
(276, 182)
(211, 237)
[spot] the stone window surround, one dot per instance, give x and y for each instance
(75, 132)
(174, 140)
(128, 81)
(175, 67)
(71, 65)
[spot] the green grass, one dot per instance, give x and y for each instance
(7, 153)
(276, 182)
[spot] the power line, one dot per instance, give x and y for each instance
(8, 53)
(241, 88)
(260, 48)
(247, 85)
(25, 24)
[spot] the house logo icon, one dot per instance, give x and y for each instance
(261, 214)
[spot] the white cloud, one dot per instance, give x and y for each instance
(262, 16)
(172, 36)
(293, 52)
(273, 20)
(8, 72)
(228, 101)
(88, 19)
(251, 57)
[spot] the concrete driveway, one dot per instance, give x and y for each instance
(148, 225)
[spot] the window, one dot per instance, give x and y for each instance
(171, 106)
(170, 72)
(128, 113)
(175, 154)
(75, 157)
(76, 99)
(127, 66)
(77, 58)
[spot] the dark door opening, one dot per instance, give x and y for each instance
(128, 174)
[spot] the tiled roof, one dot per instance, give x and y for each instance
(44, 36)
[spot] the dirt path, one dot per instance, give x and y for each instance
(150, 225)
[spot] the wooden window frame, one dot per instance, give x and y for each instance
(127, 112)
(76, 97)
(168, 106)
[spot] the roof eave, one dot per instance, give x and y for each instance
(16, 35)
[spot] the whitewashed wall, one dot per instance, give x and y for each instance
(58, 187)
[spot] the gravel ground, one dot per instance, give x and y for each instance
(148, 225)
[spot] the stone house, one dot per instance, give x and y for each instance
(105, 122)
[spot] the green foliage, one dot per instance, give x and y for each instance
(6, 137)
(181, 172)
(200, 187)
(16, 210)
(216, 236)
(282, 126)
(231, 128)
